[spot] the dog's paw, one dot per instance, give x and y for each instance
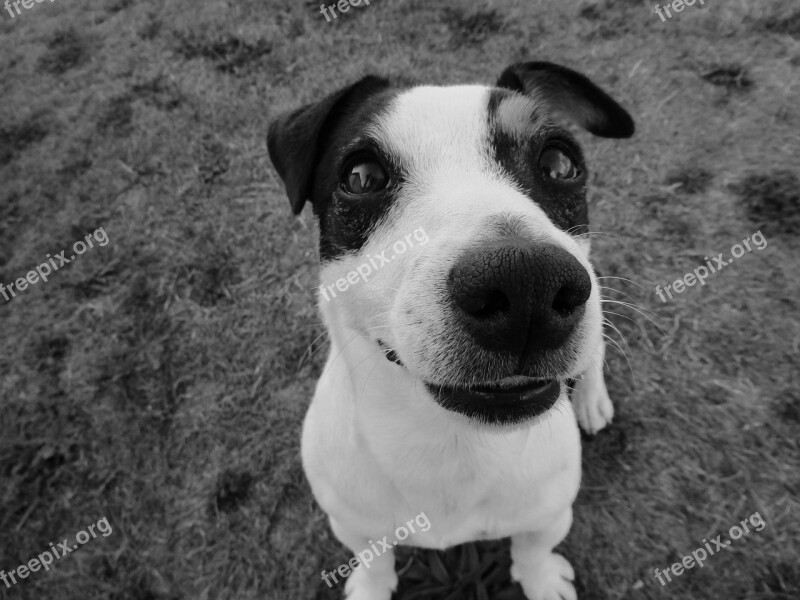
(593, 407)
(551, 579)
(365, 585)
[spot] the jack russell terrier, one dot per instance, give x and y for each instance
(447, 387)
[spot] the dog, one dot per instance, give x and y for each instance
(447, 387)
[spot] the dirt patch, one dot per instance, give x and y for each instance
(786, 26)
(117, 117)
(473, 28)
(664, 209)
(9, 225)
(731, 77)
(772, 199)
(48, 352)
(209, 271)
(160, 92)
(591, 12)
(233, 489)
(15, 138)
(782, 578)
(120, 5)
(692, 179)
(67, 50)
(214, 162)
(611, 24)
(73, 168)
(150, 29)
(789, 407)
(229, 54)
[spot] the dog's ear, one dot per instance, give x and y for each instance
(570, 94)
(295, 139)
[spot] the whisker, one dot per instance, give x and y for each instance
(604, 287)
(366, 379)
(619, 333)
(616, 345)
(621, 278)
(631, 305)
(346, 344)
(605, 362)
(639, 309)
(570, 230)
(313, 352)
(611, 312)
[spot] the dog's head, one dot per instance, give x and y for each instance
(453, 226)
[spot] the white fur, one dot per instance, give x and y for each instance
(377, 449)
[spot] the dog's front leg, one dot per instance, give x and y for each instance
(543, 574)
(375, 577)
(590, 398)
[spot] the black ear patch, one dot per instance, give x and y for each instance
(295, 139)
(570, 94)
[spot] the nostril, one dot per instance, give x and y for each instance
(490, 305)
(484, 305)
(569, 298)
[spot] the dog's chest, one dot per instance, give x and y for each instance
(487, 492)
(471, 484)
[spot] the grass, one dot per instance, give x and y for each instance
(160, 381)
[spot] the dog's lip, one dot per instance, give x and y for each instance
(512, 384)
(517, 388)
(504, 401)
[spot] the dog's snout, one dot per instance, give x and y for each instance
(518, 296)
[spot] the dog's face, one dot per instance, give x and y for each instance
(463, 211)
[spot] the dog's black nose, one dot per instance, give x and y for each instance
(519, 296)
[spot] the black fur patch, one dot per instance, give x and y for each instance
(564, 202)
(571, 94)
(345, 221)
(310, 148)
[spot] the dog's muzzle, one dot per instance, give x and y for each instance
(520, 300)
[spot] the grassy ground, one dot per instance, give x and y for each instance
(160, 381)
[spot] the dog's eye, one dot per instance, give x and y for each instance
(364, 177)
(557, 164)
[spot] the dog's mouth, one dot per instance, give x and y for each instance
(505, 401)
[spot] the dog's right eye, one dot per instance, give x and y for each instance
(365, 177)
(555, 163)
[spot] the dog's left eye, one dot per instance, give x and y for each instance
(557, 164)
(365, 177)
